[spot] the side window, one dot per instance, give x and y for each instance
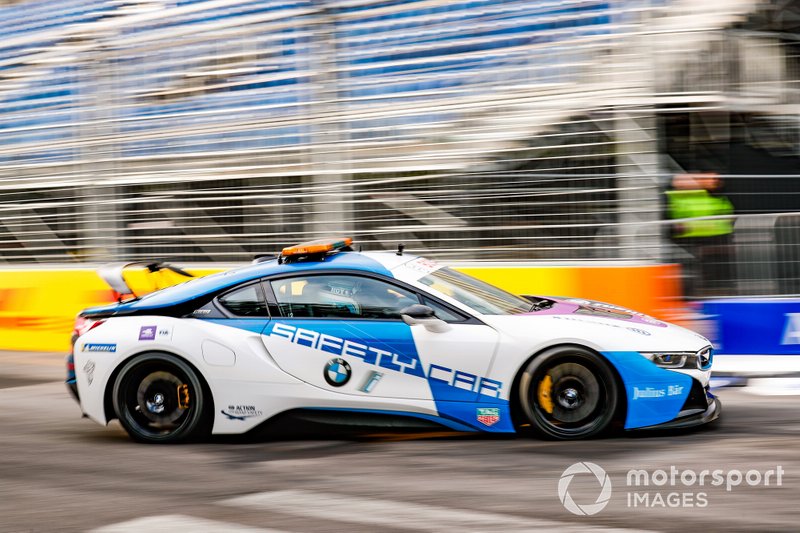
(340, 296)
(246, 301)
(443, 312)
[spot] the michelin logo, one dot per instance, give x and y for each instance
(99, 348)
(385, 359)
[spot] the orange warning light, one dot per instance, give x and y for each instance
(317, 247)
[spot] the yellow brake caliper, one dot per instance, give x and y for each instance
(183, 396)
(545, 401)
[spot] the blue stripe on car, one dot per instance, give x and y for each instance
(253, 325)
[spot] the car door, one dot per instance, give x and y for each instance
(343, 332)
(458, 359)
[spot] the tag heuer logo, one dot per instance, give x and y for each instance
(488, 416)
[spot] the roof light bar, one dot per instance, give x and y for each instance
(317, 247)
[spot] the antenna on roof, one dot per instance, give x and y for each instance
(400, 248)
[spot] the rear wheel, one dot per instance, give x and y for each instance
(568, 392)
(159, 398)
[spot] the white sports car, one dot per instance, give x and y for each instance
(326, 332)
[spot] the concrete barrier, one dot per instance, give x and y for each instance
(38, 305)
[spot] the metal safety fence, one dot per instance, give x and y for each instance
(216, 130)
(478, 216)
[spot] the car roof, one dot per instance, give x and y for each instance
(374, 262)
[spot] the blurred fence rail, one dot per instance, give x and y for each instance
(477, 216)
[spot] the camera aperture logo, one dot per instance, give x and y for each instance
(602, 498)
(670, 487)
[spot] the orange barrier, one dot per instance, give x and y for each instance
(38, 306)
(651, 289)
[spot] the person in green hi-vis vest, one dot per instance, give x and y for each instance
(708, 241)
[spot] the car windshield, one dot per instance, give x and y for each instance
(482, 297)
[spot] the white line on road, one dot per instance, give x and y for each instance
(176, 522)
(389, 513)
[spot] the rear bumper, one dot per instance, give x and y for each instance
(72, 383)
(72, 386)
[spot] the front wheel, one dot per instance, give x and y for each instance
(568, 392)
(159, 398)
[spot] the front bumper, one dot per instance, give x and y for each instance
(692, 414)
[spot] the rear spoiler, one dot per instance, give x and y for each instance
(114, 274)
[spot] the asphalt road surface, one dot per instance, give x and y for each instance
(59, 472)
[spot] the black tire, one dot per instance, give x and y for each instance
(159, 398)
(568, 392)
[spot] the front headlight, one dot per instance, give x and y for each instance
(705, 357)
(701, 359)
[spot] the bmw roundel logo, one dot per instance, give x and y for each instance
(337, 372)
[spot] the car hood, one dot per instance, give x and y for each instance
(599, 325)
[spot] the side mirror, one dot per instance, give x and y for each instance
(422, 315)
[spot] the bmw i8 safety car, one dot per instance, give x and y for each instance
(326, 331)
